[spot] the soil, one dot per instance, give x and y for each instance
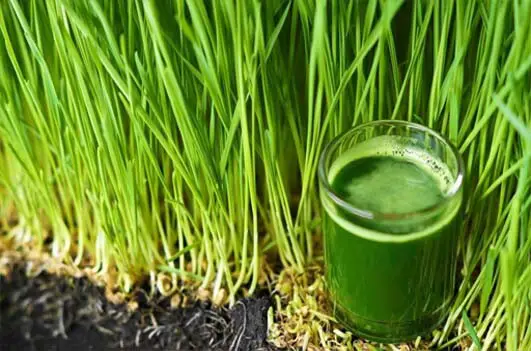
(50, 312)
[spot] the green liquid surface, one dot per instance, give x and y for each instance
(387, 184)
(391, 279)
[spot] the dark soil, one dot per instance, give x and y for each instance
(50, 312)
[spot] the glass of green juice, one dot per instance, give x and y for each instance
(392, 194)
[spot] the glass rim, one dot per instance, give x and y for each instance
(374, 215)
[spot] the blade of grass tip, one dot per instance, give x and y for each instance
(502, 178)
(516, 122)
(275, 34)
(471, 330)
(488, 281)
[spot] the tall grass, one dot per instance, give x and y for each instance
(181, 138)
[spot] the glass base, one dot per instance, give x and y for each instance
(390, 332)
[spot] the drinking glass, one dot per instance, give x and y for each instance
(391, 276)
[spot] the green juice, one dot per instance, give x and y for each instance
(391, 274)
